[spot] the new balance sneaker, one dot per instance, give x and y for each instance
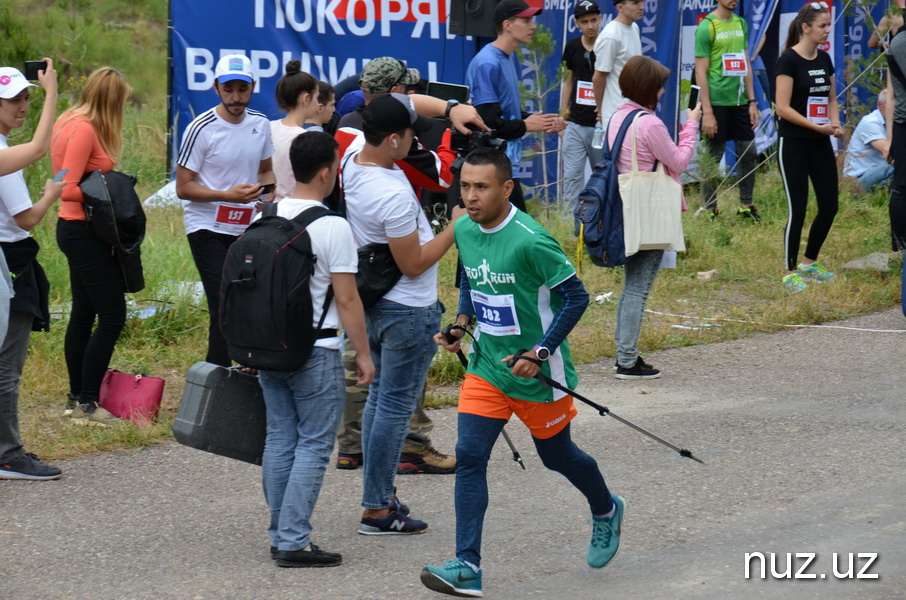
(28, 466)
(455, 578)
(430, 462)
(748, 213)
(397, 506)
(93, 415)
(605, 536)
(350, 460)
(396, 523)
(793, 283)
(639, 371)
(639, 361)
(814, 272)
(307, 558)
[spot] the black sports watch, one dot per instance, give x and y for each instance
(450, 105)
(541, 352)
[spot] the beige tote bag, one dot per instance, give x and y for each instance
(652, 207)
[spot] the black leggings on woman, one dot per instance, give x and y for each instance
(802, 159)
(97, 292)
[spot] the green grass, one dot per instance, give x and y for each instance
(83, 35)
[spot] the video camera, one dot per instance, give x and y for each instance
(463, 144)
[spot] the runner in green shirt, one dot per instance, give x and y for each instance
(524, 293)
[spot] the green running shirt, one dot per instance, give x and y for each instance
(511, 270)
(715, 38)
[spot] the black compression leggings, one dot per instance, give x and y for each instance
(802, 159)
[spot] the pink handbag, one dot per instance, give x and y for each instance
(133, 397)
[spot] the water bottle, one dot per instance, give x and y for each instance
(597, 140)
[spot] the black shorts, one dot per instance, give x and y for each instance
(732, 124)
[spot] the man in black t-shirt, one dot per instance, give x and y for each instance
(896, 135)
(577, 102)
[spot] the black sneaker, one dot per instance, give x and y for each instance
(307, 558)
(748, 213)
(638, 372)
(28, 466)
(350, 460)
(638, 361)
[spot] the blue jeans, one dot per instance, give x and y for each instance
(881, 174)
(402, 348)
(639, 273)
(303, 412)
(559, 453)
(576, 150)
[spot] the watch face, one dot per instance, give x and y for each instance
(543, 353)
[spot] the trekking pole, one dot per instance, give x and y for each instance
(465, 363)
(602, 410)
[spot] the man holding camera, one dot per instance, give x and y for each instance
(493, 80)
(223, 168)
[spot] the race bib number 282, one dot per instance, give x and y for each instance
(496, 314)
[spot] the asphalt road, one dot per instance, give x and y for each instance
(802, 432)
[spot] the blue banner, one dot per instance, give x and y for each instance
(758, 15)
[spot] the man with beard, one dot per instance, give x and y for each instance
(223, 168)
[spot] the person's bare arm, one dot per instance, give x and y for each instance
(709, 124)
(352, 317)
(414, 258)
(188, 188)
(18, 157)
(566, 93)
(30, 217)
(599, 84)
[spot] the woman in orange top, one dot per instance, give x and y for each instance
(89, 137)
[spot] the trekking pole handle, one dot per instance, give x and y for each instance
(519, 356)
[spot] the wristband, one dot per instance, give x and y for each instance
(753, 101)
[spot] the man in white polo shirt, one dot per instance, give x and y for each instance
(223, 166)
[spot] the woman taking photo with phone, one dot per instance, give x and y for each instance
(89, 137)
(809, 115)
(642, 83)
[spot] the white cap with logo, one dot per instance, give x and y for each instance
(12, 81)
(232, 67)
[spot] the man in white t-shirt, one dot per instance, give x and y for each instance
(303, 406)
(382, 208)
(619, 41)
(223, 165)
(28, 309)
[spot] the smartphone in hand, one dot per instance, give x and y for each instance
(32, 67)
(60, 175)
(266, 188)
(693, 96)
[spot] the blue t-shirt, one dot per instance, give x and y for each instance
(860, 154)
(493, 76)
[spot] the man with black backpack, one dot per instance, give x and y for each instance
(303, 405)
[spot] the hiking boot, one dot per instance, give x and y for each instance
(605, 536)
(430, 462)
(455, 578)
(307, 558)
(814, 272)
(639, 361)
(396, 523)
(93, 415)
(639, 371)
(350, 460)
(793, 283)
(748, 213)
(72, 402)
(28, 466)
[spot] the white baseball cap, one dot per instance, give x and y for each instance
(232, 67)
(12, 81)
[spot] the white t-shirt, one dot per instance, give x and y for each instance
(381, 204)
(616, 44)
(224, 155)
(14, 199)
(332, 244)
(283, 136)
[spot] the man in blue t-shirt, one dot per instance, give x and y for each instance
(493, 80)
(865, 152)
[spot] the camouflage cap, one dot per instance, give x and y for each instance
(381, 74)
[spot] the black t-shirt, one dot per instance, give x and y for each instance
(582, 63)
(811, 91)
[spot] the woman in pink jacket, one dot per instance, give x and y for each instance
(642, 82)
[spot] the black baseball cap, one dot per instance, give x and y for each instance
(583, 7)
(511, 9)
(390, 113)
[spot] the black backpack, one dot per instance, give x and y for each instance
(599, 213)
(265, 298)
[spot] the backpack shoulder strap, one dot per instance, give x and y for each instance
(269, 210)
(304, 219)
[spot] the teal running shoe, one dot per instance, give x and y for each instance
(455, 578)
(815, 272)
(605, 536)
(793, 283)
